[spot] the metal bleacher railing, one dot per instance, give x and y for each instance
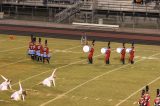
(101, 5)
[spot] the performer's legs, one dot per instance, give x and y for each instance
(123, 61)
(47, 60)
(90, 60)
(43, 59)
(108, 62)
(54, 83)
(32, 57)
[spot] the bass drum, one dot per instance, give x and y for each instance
(103, 50)
(119, 50)
(128, 50)
(86, 48)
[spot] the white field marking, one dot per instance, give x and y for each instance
(97, 98)
(12, 49)
(110, 100)
(64, 51)
(73, 47)
(2, 40)
(73, 96)
(26, 59)
(134, 102)
(13, 63)
(85, 98)
(4, 101)
(51, 69)
(140, 88)
(78, 86)
(150, 58)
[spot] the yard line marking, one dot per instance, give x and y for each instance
(136, 92)
(78, 86)
(12, 49)
(13, 63)
(140, 88)
(27, 59)
(85, 98)
(51, 70)
(4, 101)
(2, 40)
(97, 98)
(134, 102)
(73, 47)
(64, 51)
(110, 100)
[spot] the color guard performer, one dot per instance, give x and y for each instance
(50, 80)
(147, 96)
(19, 95)
(131, 57)
(90, 55)
(157, 99)
(6, 84)
(123, 53)
(46, 52)
(107, 54)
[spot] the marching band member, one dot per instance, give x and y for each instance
(19, 95)
(123, 53)
(90, 55)
(107, 54)
(141, 101)
(33, 48)
(50, 80)
(131, 57)
(38, 50)
(6, 84)
(157, 99)
(147, 96)
(45, 52)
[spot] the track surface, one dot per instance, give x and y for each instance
(76, 34)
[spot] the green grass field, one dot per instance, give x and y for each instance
(78, 83)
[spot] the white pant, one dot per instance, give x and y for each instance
(16, 96)
(38, 53)
(32, 52)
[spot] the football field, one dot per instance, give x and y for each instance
(77, 82)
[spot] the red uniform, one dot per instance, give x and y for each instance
(45, 51)
(157, 101)
(147, 99)
(123, 53)
(45, 54)
(142, 102)
(131, 57)
(90, 55)
(39, 47)
(107, 55)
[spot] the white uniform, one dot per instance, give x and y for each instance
(50, 80)
(5, 85)
(18, 95)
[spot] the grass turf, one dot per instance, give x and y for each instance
(74, 76)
